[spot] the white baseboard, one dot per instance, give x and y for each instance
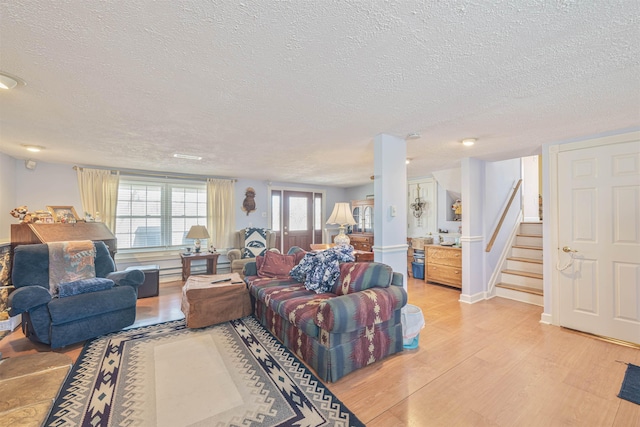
(472, 299)
(546, 318)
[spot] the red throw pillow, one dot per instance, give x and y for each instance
(259, 262)
(276, 265)
(298, 256)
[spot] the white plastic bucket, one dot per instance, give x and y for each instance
(412, 324)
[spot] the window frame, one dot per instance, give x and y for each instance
(167, 185)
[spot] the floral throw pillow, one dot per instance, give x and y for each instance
(255, 242)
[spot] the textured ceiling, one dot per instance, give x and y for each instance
(296, 90)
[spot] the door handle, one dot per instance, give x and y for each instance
(568, 249)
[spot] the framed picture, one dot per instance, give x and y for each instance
(63, 213)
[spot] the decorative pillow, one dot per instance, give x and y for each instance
(275, 265)
(255, 242)
(358, 276)
(83, 286)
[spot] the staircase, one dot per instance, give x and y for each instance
(521, 278)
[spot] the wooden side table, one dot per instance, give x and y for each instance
(211, 258)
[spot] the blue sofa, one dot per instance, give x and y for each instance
(62, 321)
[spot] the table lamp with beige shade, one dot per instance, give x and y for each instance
(342, 216)
(197, 232)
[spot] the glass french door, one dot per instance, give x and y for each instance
(296, 218)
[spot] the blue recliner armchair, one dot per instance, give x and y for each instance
(63, 321)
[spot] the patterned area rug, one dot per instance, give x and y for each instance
(233, 374)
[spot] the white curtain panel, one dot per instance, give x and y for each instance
(221, 220)
(99, 193)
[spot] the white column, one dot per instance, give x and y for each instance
(472, 239)
(390, 208)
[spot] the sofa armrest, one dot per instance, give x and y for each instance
(397, 279)
(250, 269)
(27, 298)
(350, 312)
(133, 278)
(234, 254)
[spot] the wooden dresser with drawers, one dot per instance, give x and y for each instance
(443, 265)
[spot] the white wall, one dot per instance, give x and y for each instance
(53, 184)
(7, 196)
(50, 184)
(500, 179)
(449, 181)
(530, 190)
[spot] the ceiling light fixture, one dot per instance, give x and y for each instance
(186, 156)
(407, 161)
(33, 148)
(468, 142)
(7, 82)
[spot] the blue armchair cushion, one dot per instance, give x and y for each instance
(27, 298)
(133, 278)
(83, 286)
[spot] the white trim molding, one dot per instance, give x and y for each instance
(472, 299)
(391, 249)
(471, 238)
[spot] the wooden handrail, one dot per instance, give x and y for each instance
(504, 215)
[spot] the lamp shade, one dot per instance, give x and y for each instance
(198, 232)
(341, 215)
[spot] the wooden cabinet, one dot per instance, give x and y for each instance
(361, 236)
(362, 233)
(444, 265)
(362, 211)
(362, 242)
(27, 234)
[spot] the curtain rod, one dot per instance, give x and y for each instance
(161, 175)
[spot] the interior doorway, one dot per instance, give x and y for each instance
(296, 217)
(598, 240)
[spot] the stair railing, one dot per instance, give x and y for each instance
(504, 215)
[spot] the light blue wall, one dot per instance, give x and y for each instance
(259, 218)
(500, 179)
(359, 193)
(56, 184)
(7, 195)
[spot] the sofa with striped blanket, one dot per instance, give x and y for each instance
(355, 324)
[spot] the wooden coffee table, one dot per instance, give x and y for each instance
(211, 299)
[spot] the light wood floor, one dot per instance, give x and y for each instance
(486, 364)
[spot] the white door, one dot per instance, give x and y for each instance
(599, 218)
(421, 222)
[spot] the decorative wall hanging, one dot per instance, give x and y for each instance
(417, 208)
(249, 202)
(457, 210)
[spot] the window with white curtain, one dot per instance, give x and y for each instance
(158, 213)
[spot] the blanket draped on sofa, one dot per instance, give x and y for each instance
(320, 270)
